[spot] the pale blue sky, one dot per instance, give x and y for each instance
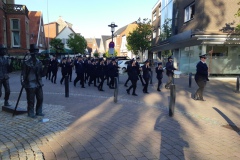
(92, 17)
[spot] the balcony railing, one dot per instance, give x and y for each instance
(15, 9)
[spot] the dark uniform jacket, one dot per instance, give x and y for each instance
(133, 72)
(64, 68)
(54, 65)
(159, 73)
(170, 68)
(202, 72)
(146, 71)
(79, 67)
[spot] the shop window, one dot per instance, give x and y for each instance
(154, 16)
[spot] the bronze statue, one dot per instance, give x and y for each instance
(32, 73)
(4, 77)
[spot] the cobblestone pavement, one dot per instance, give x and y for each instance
(89, 125)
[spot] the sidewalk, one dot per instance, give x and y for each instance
(89, 125)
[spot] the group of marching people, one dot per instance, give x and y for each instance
(90, 71)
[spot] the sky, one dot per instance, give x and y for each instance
(92, 17)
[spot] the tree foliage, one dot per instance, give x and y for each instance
(77, 43)
(139, 39)
(237, 29)
(57, 46)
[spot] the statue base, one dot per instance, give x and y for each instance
(11, 109)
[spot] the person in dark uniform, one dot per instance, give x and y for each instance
(170, 72)
(146, 75)
(107, 63)
(64, 69)
(139, 71)
(69, 68)
(54, 66)
(79, 68)
(49, 71)
(128, 73)
(92, 73)
(133, 76)
(159, 71)
(201, 77)
(113, 72)
(31, 79)
(101, 73)
(4, 78)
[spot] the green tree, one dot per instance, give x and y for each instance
(77, 43)
(237, 29)
(96, 55)
(57, 46)
(139, 39)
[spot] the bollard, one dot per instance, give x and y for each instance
(66, 86)
(237, 85)
(190, 80)
(172, 100)
(116, 89)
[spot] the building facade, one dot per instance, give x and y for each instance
(198, 26)
(14, 27)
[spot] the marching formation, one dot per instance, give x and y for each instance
(90, 71)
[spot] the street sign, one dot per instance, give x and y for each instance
(111, 45)
(111, 51)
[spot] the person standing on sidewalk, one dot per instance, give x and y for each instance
(201, 77)
(146, 69)
(170, 72)
(4, 78)
(159, 71)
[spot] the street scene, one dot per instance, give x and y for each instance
(89, 125)
(133, 80)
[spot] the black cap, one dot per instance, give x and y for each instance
(160, 63)
(170, 57)
(33, 48)
(138, 58)
(147, 61)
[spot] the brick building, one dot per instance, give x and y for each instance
(198, 26)
(14, 27)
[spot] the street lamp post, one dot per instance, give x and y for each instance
(112, 25)
(111, 44)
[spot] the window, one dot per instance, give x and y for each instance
(154, 34)
(154, 16)
(15, 29)
(159, 30)
(189, 12)
(159, 11)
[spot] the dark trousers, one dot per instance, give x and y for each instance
(145, 88)
(54, 76)
(63, 77)
(141, 79)
(170, 81)
(70, 76)
(159, 82)
(31, 94)
(48, 75)
(80, 77)
(199, 93)
(5, 84)
(133, 86)
(101, 82)
(92, 79)
(127, 81)
(111, 83)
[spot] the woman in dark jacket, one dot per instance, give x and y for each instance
(159, 71)
(133, 76)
